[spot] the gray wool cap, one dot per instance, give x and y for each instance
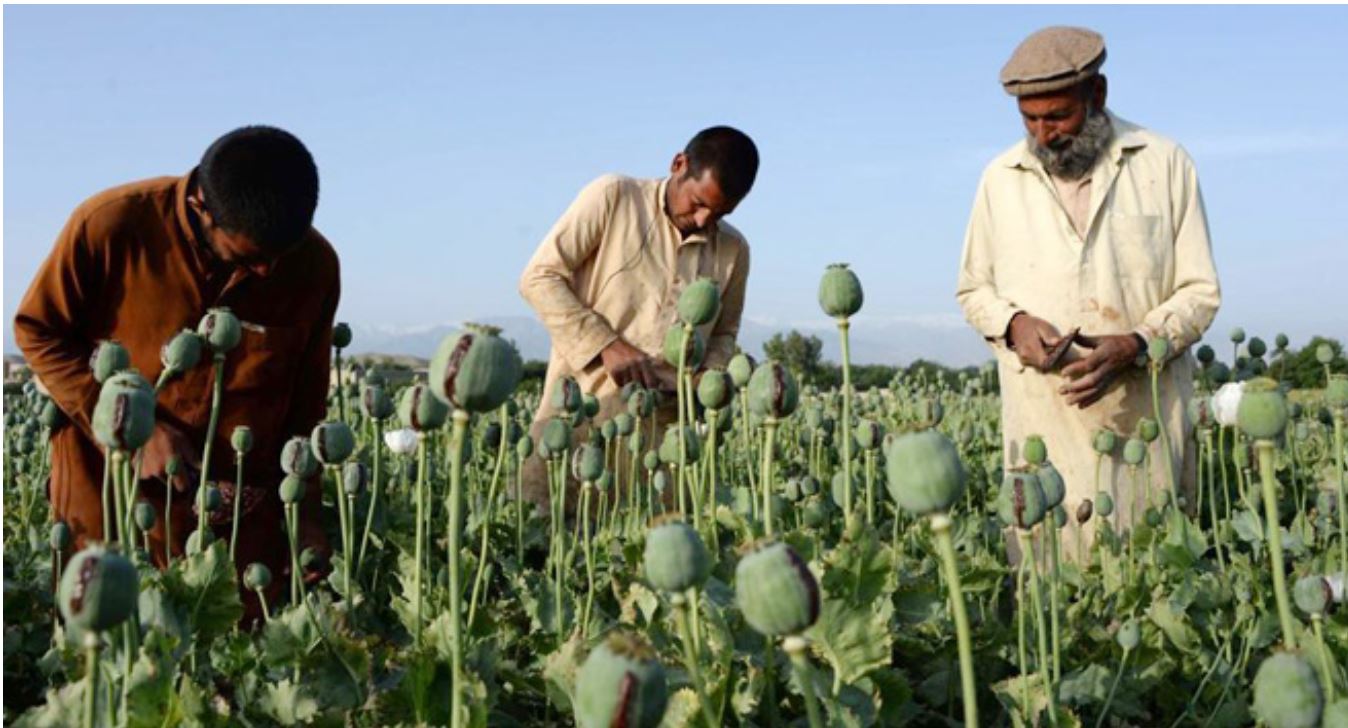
(1053, 59)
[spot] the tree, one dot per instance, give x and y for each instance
(798, 352)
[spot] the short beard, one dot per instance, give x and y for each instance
(1078, 156)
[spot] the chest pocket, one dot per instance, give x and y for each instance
(264, 359)
(1139, 245)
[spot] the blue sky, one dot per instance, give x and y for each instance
(449, 138)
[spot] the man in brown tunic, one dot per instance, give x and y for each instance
(139, 262)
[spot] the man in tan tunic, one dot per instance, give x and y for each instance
(1091, 223)
(606, 278)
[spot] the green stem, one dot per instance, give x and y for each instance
(1317, 625)
(375, 472)
(486, 519)
(1342, 489)
(940, 526)
(796, 648)
(217, 390)
(587, 489)
(846, 418)
(90, 678)
(1162, 428)
(681, 394)
(1113, 687)
(455, 515)
(422, 462)
(1051, 535)
(1041, 631)
(765, 478)
(238, 503)
(1264, 448)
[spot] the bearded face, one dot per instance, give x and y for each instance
(1071, 156)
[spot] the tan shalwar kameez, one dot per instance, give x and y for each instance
(614, 266)
(1140, 261)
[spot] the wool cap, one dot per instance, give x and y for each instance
(1053, 59)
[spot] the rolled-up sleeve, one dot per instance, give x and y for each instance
(578, 333)
(1189, 310)
(721, 345)
(987, 311)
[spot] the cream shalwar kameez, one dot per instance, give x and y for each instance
(614, 266)
(1142, 262)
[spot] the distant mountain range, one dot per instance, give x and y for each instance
(947, 340)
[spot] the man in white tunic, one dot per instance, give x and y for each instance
(1095, 224)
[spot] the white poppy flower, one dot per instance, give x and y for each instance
(1226, 402)
(401, 442)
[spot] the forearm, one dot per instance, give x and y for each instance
(61, 363)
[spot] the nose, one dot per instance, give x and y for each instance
(702, 218)
(1045, 133)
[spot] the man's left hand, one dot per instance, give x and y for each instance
(1090, 377)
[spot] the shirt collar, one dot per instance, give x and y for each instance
(1127, 137)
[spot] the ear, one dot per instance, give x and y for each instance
(679, 166)
(1100, 92)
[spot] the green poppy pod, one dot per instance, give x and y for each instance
(354, 477)
(108, 358)
(419, 409)
(742, 501)
(651, 460)
(816, 512)
(838, 483)
(241, 439)
(1287, 692)
(524, 447)
(1020, 502)
(341, 335)
(257, 576)
(1240, 454)
(840, 292)
(1158, 349)
(1152, 517)
(588, 463)
(1336, 392)
(809, 485)
(99, 589)
(1104, 504)
(605, 481)
(59, 536)
(124, 415)
(923, 472)
(1205, 355)
(1312, 594)
(589, 405)
(641, 403)
(1035, 451)
(566, 395)
(1219, 373)
(622, 683)
(475, 370)
(1256, 348)
(50, 415)
(1262, 414)
(1104, 441)
(669, 447)
(814, 417)
(775, 591)
(220, 329)
(144, 515)
(1237, 335)
(1058, 515)
(1134, 451)
(182, 352)
(930, 412)
(625, 423)
(212, 498)
(608, 430)
(699, 302)
(292, 488)
(740, 369)
(715, 389)
(660, 481)
(676, 559)
(791, 490)
(693, 353)
(636, 442)
(297, 458)
(1258, 367)
(1129, 634)
(375, 402)
(333, 442)
(868, 434)
(773, 391)
(491, 437)
(557, 435)
(1324, 353)
(1281, 341)
(1084, 511)
(1051, 482)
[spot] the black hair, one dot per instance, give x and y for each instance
(260, 181)
(731, 156)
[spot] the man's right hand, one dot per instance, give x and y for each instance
(1031, 338)
(626, 363)
(168, 442)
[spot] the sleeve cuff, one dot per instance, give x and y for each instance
(580, 353)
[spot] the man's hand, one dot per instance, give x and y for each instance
(1031, 338)
(626, 363)
(1092, 375)
(167, 442)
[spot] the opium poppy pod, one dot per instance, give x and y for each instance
(1312, 594)
(693, 353)
(651, 460)
(1104, 504)
(1262, 414)
(1287, 692)
(59, 537)
(182, 352)
(1020, 502)
(1134, 451)
(740, 369)
(669, 447)
(773, 391)
(354, 477)
(144, 515)
(1256, 348)
(341, 335)
(241, 439)
(608, 430)
(525, 447)
(1105, 441)
(625, 423)
(124, 415)
(589, 405)
(775, 591)
(292, 489)
(557, 435)
(567, 396)
(475, 370)
(333, 442)
(869, 434)
(99, 589)
(1035, 451)
(1324, 353)
(1205, 355)
(699, 302)
(1158, 349)
(1148, 430)
(50, 415)
(257, 576)
(715, 389)
(588, 463)
(297, 458)
(840, 291)
(676, 559)
(420, 410)
(622, 683)
(375, 402)
(1129, 634)
(924, 473)
(221, 329)
(1237, 335)
(1051, 482)
(109, 357)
